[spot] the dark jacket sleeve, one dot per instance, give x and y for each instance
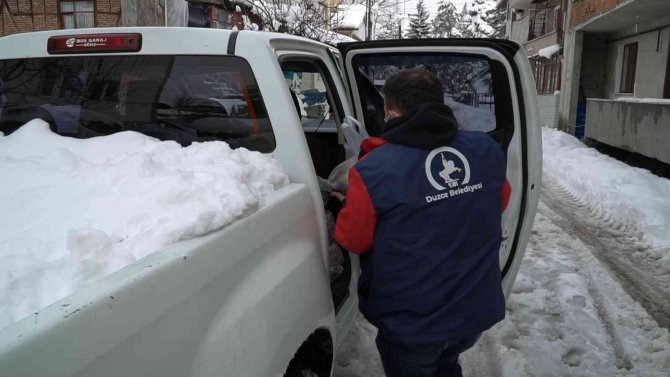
(355, 227)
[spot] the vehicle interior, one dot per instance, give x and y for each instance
(320, 114)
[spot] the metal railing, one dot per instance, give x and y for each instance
(542, 22)
(477, 100)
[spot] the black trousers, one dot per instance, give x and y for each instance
(434, 360)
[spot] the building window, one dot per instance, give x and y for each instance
(628, 68)
(77, 14)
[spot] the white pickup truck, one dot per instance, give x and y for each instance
(255, 298)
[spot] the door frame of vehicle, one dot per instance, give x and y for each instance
(524, 166)
(299, 49)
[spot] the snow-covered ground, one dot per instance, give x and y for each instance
(573, 311)
(632, 198)
(75, 210)
(471, 118)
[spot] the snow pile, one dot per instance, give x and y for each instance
(548, 52)
(74, 211)
(632, 198)
(471, 118)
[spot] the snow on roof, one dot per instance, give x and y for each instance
(77, 210)
(335, 38)
(293, 13)
(655, 101)
(350, 16)
(548, 52)
(328, 36)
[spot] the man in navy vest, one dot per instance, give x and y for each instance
(423, 210)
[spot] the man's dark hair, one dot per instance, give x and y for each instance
(408, 89)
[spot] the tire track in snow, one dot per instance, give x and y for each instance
(643, 280)
(569, 316)
(621, 360)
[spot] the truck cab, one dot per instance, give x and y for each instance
(259, 297)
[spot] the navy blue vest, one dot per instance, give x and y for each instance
(434, 273)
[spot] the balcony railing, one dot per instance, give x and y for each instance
(542, 22)
(536, 24)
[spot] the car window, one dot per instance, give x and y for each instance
(182, 98)
(467, 81)
(311, 89)
(320, 109)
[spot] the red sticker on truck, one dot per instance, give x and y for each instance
(81, 44)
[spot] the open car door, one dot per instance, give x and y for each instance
(489, 86)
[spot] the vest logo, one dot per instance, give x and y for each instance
(448, 170)
(446, 167)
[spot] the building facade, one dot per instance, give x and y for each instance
(538, 25)
(617, 74)
(21, 16)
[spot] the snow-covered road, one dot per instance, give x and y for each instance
(591, 299)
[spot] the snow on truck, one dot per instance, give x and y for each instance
(258, 294)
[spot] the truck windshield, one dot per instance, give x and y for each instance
(182, 98)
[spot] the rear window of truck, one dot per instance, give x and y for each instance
(182, 98)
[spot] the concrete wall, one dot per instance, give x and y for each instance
(584, 10)
(572, 64)
(651, 65)
(635, 127)
(548, 105)
(594, 65)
